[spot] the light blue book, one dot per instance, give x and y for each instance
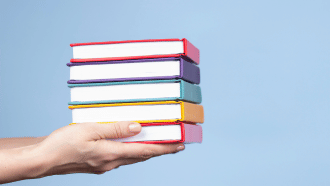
(134, 91)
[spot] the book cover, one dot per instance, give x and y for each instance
(141, 91)
(166, 133)
(141, 112)
(189, 52)
(188, 71)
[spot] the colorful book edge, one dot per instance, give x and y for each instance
(190, 112)
(189, 92)
(191, 53)
(190, 133)
(188, 71)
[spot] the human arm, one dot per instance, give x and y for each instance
(79, 148)
(9, 143)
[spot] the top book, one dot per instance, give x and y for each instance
(134, 49)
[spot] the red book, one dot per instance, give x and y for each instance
(176, 132)
(134, 49)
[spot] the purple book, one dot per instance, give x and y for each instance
(134, 70)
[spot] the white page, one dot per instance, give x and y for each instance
(127, 49)
(126, 92)
(127, 113)
(125, 70)
(155, 133)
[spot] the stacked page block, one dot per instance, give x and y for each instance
(153, 82)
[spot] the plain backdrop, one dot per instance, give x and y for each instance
(265, 69)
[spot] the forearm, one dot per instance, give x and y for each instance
(9, 143)
(22, 163)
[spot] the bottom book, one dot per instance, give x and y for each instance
(176, 132)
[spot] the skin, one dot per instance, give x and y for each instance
(10, 143)
(80, 148)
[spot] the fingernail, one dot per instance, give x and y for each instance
(181, 147)
(134, 128)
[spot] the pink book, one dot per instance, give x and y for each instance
(172, 132)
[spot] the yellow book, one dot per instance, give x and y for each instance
(142, 112)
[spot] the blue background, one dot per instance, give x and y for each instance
(265, 82)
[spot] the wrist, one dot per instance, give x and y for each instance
(40, 162)
(23, 163)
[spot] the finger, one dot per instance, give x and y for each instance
(143, 151)
(117, 130)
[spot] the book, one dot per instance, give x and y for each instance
(134, 91)
(142, 112)
(134, 70)
(176, 132)
(134, 49)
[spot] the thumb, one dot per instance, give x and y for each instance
(120, 129)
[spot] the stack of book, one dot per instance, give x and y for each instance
(153, 82)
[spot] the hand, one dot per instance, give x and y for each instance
(84, 148)
(78, 148)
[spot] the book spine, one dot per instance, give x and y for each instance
(190, 72)
(192, 113)
(193, 133)
(191, 51)
(190, 92)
